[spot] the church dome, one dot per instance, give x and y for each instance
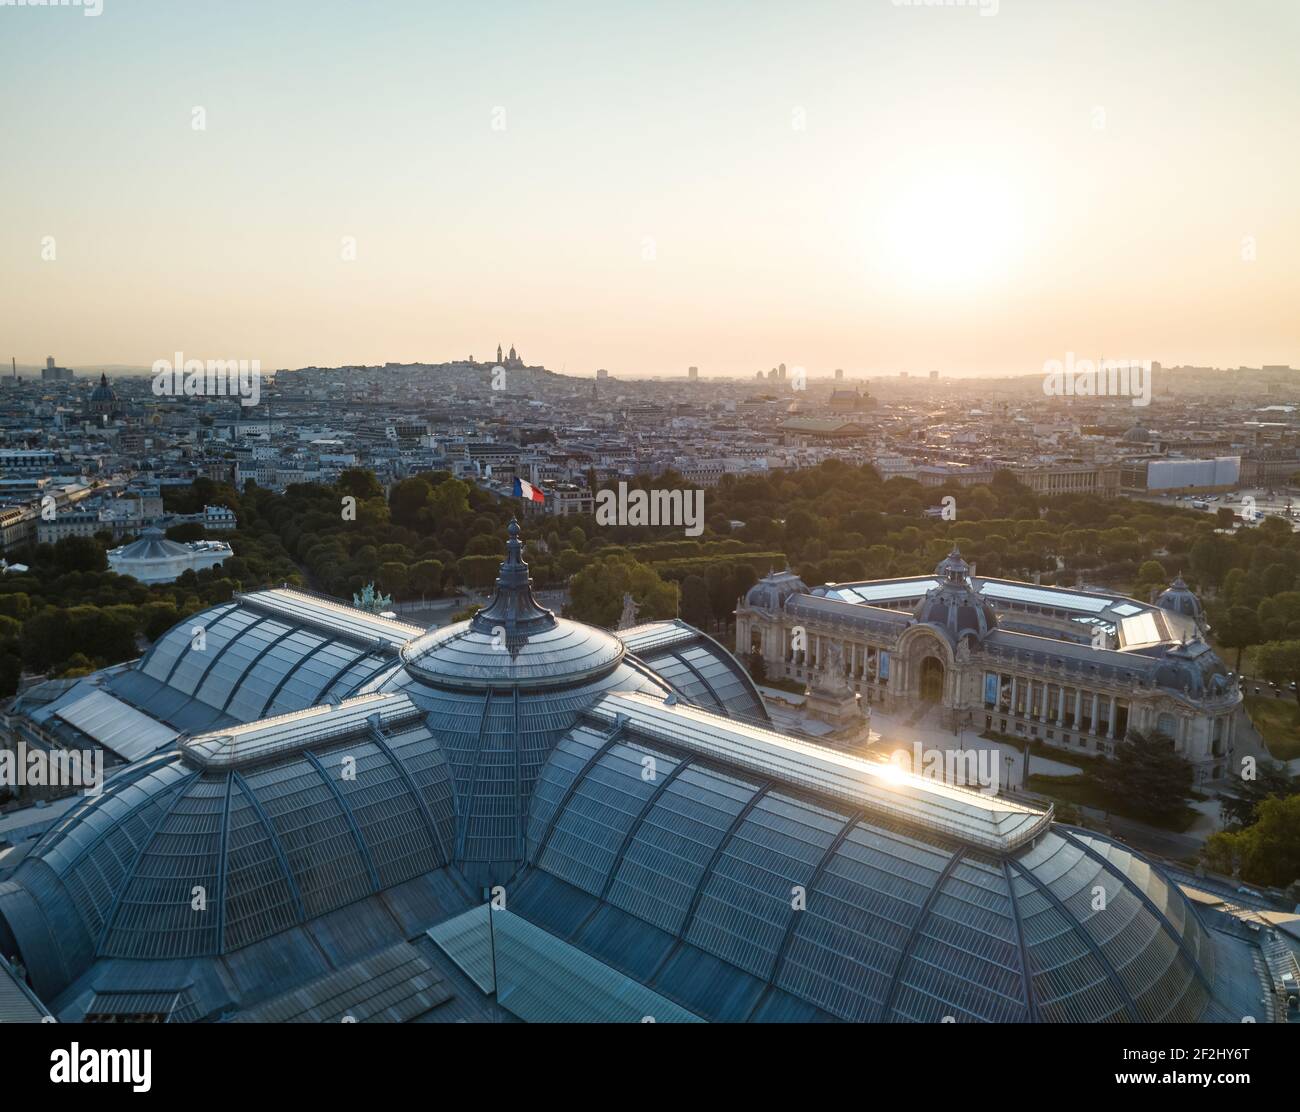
(1137, 435)
(103, 392)
(954, 605)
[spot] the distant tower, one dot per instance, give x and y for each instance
(498, 353)
(49, 362)
(839, 372)
(693, 372)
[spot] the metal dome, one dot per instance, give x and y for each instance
(954, 605)
(512, 642)
(1179, 598)
(499, 691)
(239, 836)
(770, 592)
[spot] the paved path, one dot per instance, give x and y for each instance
(891, 732)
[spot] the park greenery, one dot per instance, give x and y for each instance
(432, 535)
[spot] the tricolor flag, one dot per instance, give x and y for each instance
(528, 491)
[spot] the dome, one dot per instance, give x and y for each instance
(270, 830)
(414, 769)
(954, 605)
(512, 642)
(1178, 597)
(500, 690)
(1193, 669)
(103, 392)
(1137, 435)
(770, 592)
(152, 545)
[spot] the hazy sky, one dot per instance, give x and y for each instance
(644, 186)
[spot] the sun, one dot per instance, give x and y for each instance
(950, 230)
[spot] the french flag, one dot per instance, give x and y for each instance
(528, 491)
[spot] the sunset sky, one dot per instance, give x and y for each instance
(828, 184)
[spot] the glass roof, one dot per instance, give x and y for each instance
(986, 820)
(697, 667)
(541, 978)
(116, 725)
(1043, 596)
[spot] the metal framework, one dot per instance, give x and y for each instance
(362, 848)
(906, 952)
(1136, 889)
(1115, 979)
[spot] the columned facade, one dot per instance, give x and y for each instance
(1063, 693)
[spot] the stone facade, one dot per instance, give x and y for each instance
(1074, 669)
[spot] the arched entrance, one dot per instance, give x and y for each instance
(931, 688)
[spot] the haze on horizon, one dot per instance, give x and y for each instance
(642, 187)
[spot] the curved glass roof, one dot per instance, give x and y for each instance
(478, 655)
(276, 840)
(496, 742)
(670, 851)
(513, 642)
(696, 667)
(700, 869)
(248, 659)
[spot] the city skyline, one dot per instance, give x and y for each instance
(647, 190)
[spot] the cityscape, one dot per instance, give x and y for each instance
(921, 661)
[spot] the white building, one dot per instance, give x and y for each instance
(155, 559)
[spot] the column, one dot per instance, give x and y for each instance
(1096, 704)
(1042, 710)
(1060, 705)
(1110, 726)
(1013, 695)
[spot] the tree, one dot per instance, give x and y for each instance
(1149, 775)
(449, 501)
(1240, 801)
(409, 497)
(478, 571)
(757, 666)
(426, 577)
(360, 484)
(1238, 630)
(696, 606)
(1279, 663)
(1266, 852)
(185, 532)
(1211, 558)
(393, 577)
(1151, 574)
(80, 554)
(596, 593)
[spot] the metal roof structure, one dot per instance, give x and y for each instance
(697, 668)
(18, 1004)
(115, 725)
(543, 979)
(394, 985)
(990, 821)
(317, 839)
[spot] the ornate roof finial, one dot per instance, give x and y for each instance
(513, 606)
